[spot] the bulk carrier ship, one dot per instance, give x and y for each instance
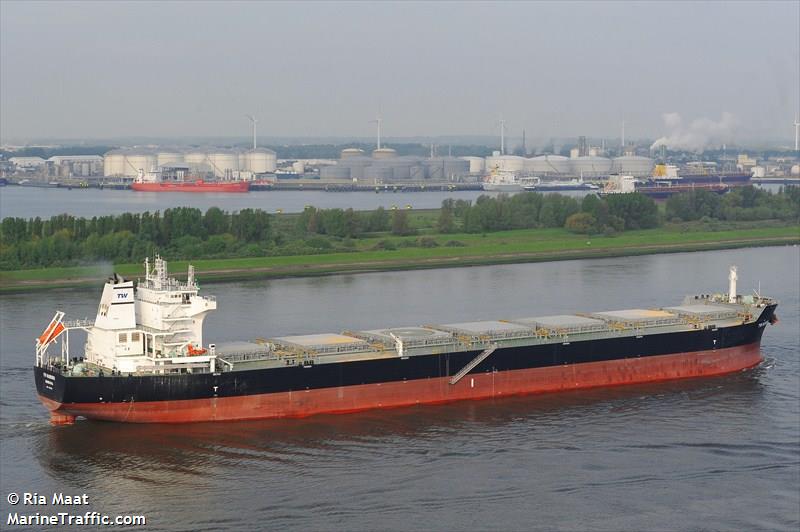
(145, 359)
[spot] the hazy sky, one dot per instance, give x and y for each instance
(103, 69)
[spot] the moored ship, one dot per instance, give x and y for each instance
(502, 181)
(537, 185)
(177, 179)
(145, 359)
(699, 174)
(625, 184)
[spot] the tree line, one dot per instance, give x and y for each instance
(188, 233)
(740, 204)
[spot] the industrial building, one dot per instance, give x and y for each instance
(59, 166)
(219, 162)
(75, 166)
(25, 164)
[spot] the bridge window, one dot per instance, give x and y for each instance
(135, 337)
(123, 338)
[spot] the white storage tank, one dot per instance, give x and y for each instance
(379, 173)
(135, 161)
(508, 163)
(553, 165)
(299, 167)
(165, 158)
(759, 171)
(348, 153)
(589, 166)
(261, 161)
(634, 165)
(223, 163)
(334, 172)
(401, 171)
(384, 153)
(197, 161)
(113, 163)
(477, 165)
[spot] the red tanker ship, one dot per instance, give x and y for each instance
(176, 179)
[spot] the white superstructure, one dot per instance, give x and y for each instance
(156, 326)
(502, 181)
(620, 184)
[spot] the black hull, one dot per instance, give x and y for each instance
(64, 390)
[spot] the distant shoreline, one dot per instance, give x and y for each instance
(496, 248)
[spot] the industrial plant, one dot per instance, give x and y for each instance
(221, 163)
(359, 166)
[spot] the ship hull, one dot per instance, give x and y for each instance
(667, 192)
(486, 385)
(728, 178)
(195, 186)
(503, 188)
(297, 391)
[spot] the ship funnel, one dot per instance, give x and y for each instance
(732, 277)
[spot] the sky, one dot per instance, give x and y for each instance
(307, 69)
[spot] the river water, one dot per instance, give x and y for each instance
(29, 202)
(714, 453)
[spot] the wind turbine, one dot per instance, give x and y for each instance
(254, 120)
(378, 121)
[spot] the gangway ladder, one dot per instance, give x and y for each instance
(472, 363)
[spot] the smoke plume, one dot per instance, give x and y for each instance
(698, 135)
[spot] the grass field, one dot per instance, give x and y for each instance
(528, 245)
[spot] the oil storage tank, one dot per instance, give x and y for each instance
(261, 161)
(550, 165)
(508, 163)
(136, 160)
(477, 165)
(165, 158)
(384, 153)
(223, 163)
(634, 165)
(349, 153)
(591, 166)
(379, 173)
(445, 168)
(334, 172)
(114, 163)
(357, 165)
(197, 161)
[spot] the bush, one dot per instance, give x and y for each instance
(319, 242)
(428, 242)
(454, 244)
(581, 222)
(386, 245)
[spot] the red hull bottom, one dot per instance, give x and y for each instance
(192, 186)
(405, 393)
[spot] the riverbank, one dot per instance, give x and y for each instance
(454, 250)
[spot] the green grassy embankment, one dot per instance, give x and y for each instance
(529, 245)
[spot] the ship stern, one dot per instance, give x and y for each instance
(50, 386)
